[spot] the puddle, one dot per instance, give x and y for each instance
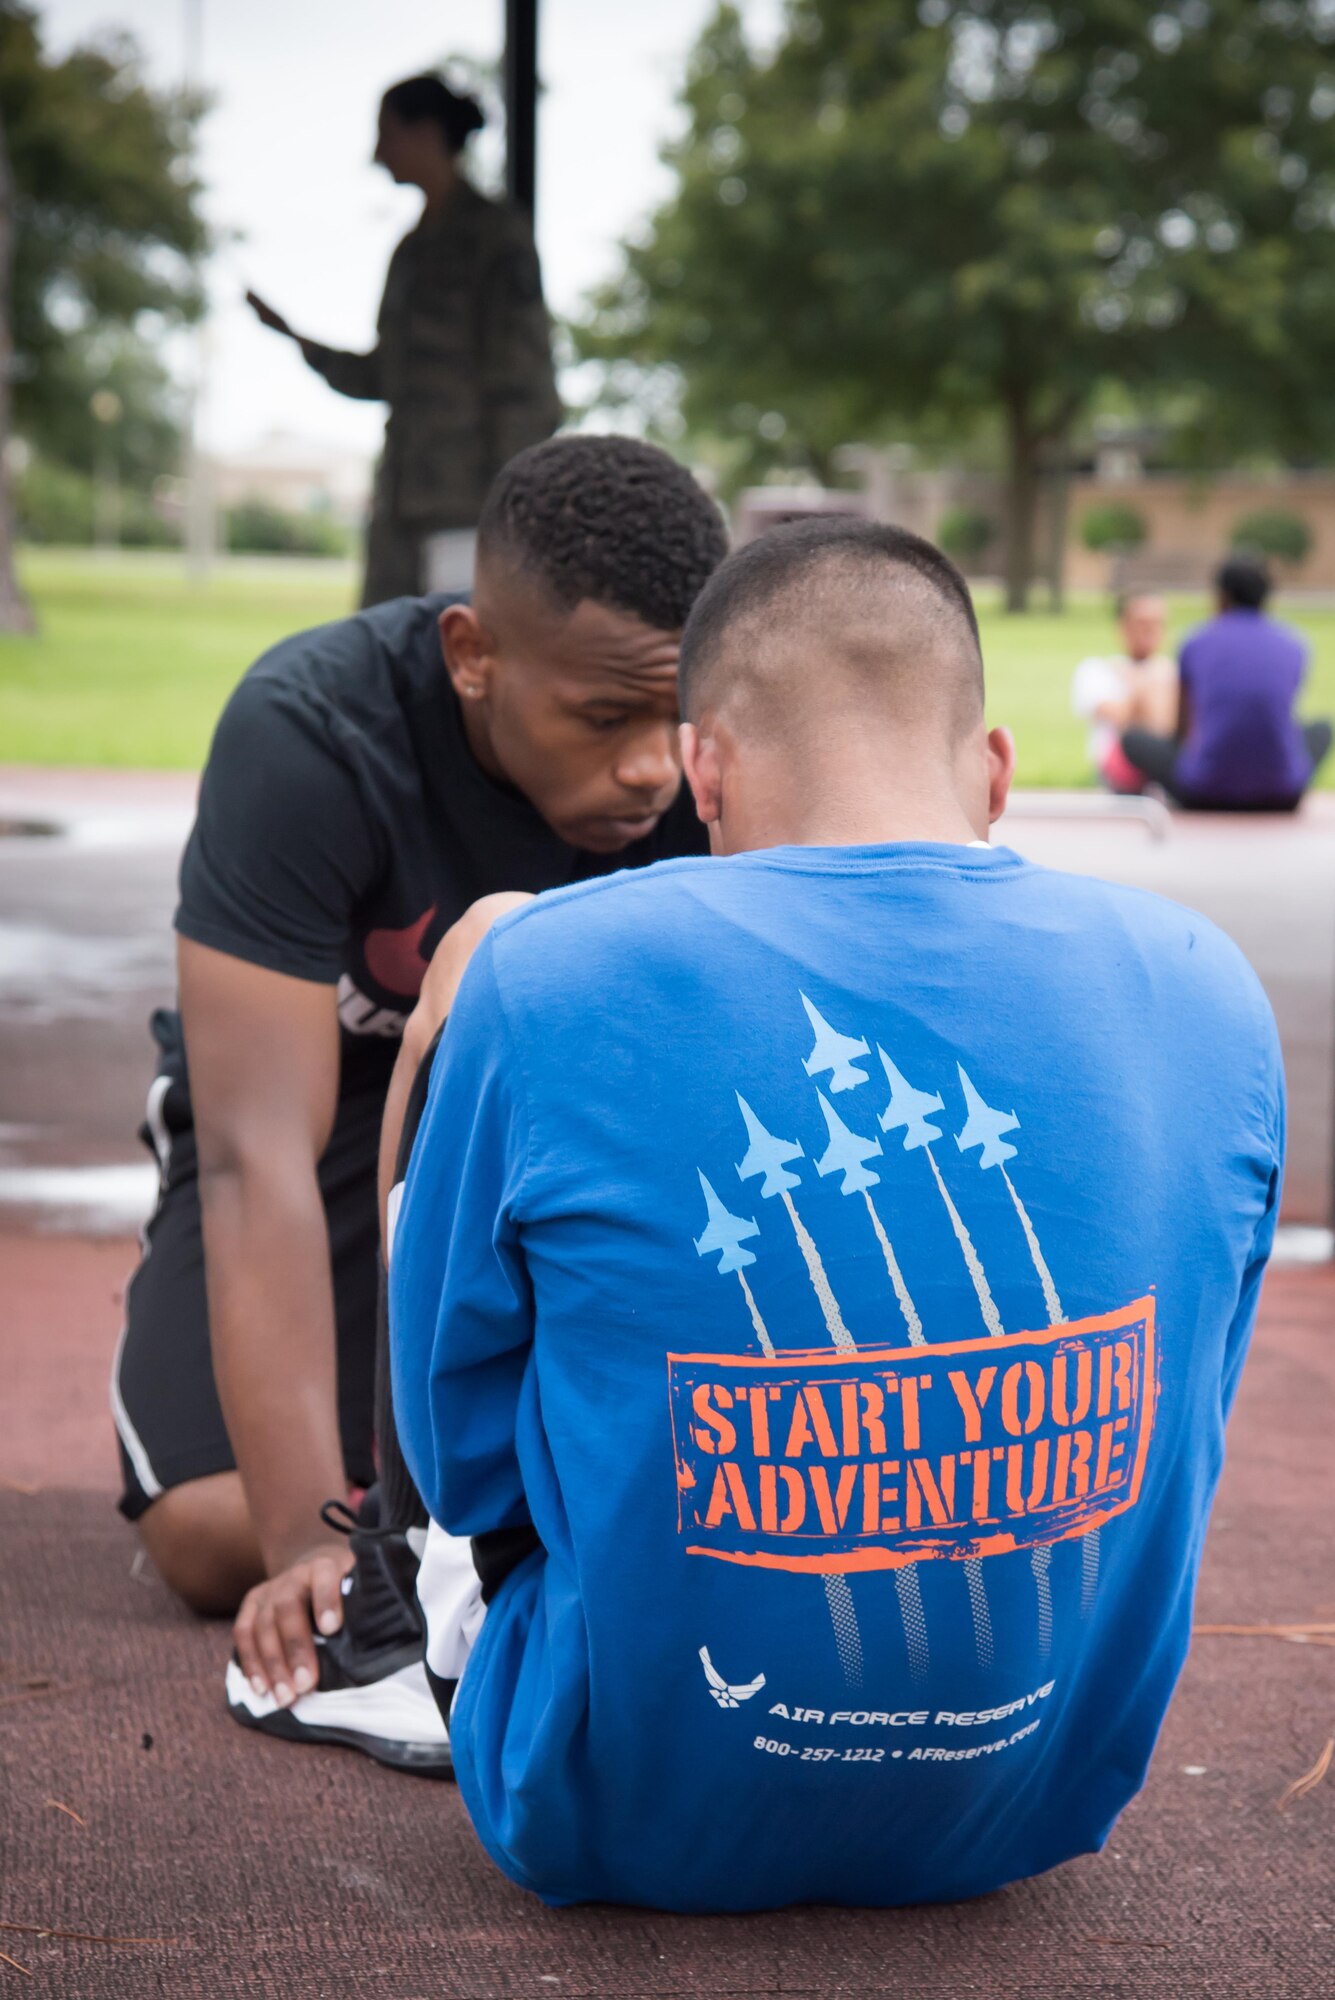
(30, 829)
(165, 828)
(86, 1201)
(48, 975)
(1300, 1243)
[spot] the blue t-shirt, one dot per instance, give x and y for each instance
(1240, 676)
(845, 1259)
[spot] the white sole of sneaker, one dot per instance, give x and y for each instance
(395, 1720)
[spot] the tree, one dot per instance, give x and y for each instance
(15, 611)
(966, 533)
(983, 213)
(1274, 531)
(105, 234)
(1113, 526)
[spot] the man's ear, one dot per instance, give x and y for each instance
(468, 651)
(704, 775)
(1000, 771)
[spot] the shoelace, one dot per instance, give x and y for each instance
(345, 1520)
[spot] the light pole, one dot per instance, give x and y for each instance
(107, 410)
(200, 512)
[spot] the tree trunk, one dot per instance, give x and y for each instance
(1021, 503)
(1059, 503)
(15, 613)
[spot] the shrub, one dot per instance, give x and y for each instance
(256, 527)
(1113, 527)
(965, 532)
(1273, 532)
(58, 506)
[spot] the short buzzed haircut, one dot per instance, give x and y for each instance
(605, 518)
(881, 605)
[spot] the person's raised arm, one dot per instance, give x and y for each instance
(264, 1067)
(356, 375)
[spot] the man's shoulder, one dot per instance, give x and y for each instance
(634, 903)
(357, 667)
(1164, 948)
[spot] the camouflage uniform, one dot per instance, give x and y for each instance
(463, 359)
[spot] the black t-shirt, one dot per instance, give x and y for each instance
(344, 824)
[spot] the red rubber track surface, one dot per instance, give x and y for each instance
(297, 1873)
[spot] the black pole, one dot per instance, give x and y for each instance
(521, 101)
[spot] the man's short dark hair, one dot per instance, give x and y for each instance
(1244, 581)
(757, 577)
(606, 518)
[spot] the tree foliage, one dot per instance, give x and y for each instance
(108, 234)
(985, 211)
(1274, 531)
(966, 533)
(1114, 526)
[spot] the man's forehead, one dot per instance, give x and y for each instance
(617, 652)
(590, 643)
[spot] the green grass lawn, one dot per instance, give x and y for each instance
(132, 662)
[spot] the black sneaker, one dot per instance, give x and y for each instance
(373, 1694)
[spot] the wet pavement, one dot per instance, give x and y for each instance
(87, 886)
(148, 1846)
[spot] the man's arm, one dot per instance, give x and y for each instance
(263, 1053)
(448, 964)
(461, 1306)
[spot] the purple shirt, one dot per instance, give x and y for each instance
(1240, 676)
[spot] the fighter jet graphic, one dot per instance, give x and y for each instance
(833, 1052)
(846, 1153)
(983, 1127)
(767, 1155)
(725, 1233)
(908, 1107)
(725, 1695)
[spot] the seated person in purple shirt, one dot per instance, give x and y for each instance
(1239, 746)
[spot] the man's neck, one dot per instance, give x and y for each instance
(846, 807)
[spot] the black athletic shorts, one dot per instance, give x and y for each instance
(168, 1419)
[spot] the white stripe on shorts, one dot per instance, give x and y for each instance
(129, 1436)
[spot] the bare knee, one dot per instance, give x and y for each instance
(202, 1543)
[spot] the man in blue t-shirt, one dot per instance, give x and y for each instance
(821, 1281)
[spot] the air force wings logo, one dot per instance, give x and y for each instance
(725, 1696)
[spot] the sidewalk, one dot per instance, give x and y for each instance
(86, 951)
(281, 1873)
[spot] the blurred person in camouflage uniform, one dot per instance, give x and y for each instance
(462, 356)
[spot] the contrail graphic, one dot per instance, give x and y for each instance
(983, 1128)
(847, 1154)
(910, 1110)
(769, 1156)
(726, 1234)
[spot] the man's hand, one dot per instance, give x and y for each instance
(267, 316)
(448, 964)
(272, 1632)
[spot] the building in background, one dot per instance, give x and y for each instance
(296, 475)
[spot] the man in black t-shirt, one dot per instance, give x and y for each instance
(368, 783)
